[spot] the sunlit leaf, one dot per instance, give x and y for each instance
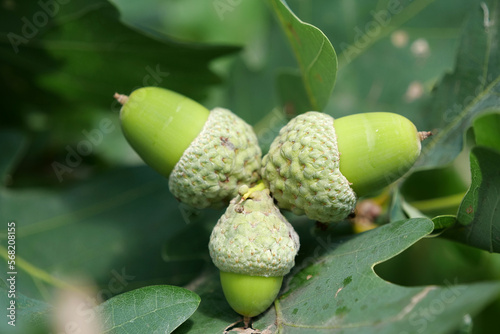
(487, 131)
(479, 214)
(315, 54)
(153, 309)
(472, 88)
(337, 289)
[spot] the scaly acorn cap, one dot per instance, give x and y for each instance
(253, 238)
(222, 157)
(302, 170)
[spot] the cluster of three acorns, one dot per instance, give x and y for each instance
(316, 166)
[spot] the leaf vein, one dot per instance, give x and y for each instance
(144, 315)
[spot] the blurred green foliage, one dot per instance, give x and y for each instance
(433, 61)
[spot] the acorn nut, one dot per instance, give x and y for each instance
(318, 166)
(205, 154)
(253, 246)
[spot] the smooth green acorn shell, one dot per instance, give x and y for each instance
(160, 125)
(376, 149)
(250, 295)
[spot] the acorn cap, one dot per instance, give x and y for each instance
(223, 156)
(302, 170)
(253, 238)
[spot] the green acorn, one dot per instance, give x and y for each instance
(253, 246)
(205, 154)
(318, 166)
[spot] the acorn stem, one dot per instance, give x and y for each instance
(122, 98)
(246, 321)
(258, 187)
(424, 135)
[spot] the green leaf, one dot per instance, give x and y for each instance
(376, 44)
(126, 220)
(472, 89)
(363, 84)
(487, 131)
(23, 62)
(293, 97)
(214, 313)
(383, 18)
(340, 290)
(31, 315)
(437, 191)
(114, 224)
(479, 214)
(91, 38)
(216, 21)
(444, 221)
(13, 143)
(396, 210)
(63, 61)
(152, 309)
(84, 54)
(314, 52)
(334, 287)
